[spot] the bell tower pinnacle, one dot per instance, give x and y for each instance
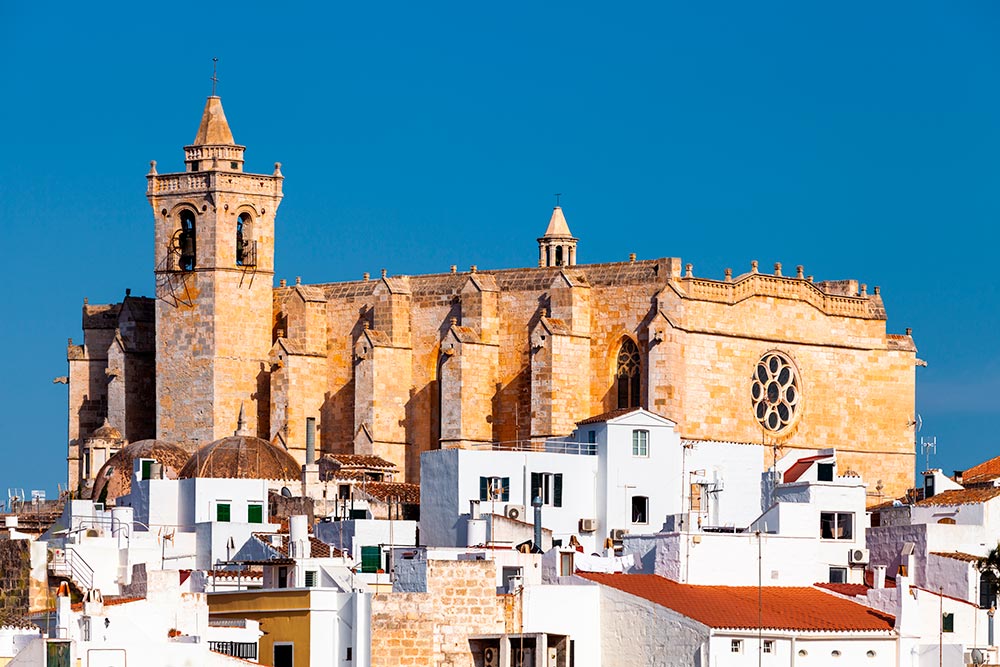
(557, 247)
(214, 267)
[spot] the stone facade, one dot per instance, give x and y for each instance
(398, 365)
(433, 627)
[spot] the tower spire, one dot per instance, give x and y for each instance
(557, 247)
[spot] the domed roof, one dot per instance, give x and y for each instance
(242, 457)
(114, 479)
(105, 432)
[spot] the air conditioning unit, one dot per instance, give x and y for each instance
(491, 657)
(514, 512)
(858, 557)
(588, 525)
(524, 657)
(618, 534)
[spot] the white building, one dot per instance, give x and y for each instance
(620, 473)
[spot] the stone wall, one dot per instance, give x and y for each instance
(15, 577)
(433, 628)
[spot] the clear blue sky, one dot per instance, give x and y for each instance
(859, 139)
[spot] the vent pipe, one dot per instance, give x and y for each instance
(310, 440)
(536, 502)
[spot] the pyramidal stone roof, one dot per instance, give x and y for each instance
(557, 224)
(214, 128)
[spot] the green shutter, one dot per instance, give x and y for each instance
(484, 488)
(948, 622)
(371, 559)
(506, 489)
(222, 512)
(255, 514)
(557, 490)
(146, 468)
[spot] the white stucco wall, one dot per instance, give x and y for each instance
(567, 610)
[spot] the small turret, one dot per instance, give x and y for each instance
(558, 246)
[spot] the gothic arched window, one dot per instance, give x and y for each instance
(243, 244)
(628, 373)
(186, 241)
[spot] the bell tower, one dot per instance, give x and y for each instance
(214, 266)
(558, 246)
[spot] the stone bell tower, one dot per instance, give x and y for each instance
(558, 246)
(214, 254)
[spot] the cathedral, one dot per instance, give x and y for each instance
(395, 365)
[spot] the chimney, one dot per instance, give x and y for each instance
(536, 502)
(310, 440)
(298, 536)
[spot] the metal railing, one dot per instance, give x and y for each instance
(244, 650)
(71, 565)
(548, 446)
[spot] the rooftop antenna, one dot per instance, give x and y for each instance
(927, 447)
(558, 195)
(215, 75)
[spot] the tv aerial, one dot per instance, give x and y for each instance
(928, 446)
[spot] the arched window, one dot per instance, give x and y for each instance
(243, 233)
(627, 375)
(187, 241)
(559, 255)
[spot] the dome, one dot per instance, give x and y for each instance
(114, 479)
(105, 432)
(242, 457)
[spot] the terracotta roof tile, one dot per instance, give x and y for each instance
(317, 547)
(9, 620)
(242, 457)
(360, 461)
(984, 472)
(961, 497)
(737, 606)
(799, 467)
(956, 555)
(407, 493)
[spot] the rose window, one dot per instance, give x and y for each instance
(775, 391)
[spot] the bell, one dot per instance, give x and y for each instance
(187, 245)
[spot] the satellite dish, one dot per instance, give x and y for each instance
(286, 492)
(919, 422)
(977, 657)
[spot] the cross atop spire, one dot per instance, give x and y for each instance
(215, 74)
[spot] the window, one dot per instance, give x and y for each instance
(592, 437)
(494, 488)
(310, 578)
(548, 487)
(838, 575)
(640, 509)
(824, 472)
(344, 492)
(350, 654)
(186, 241)
(736, 646)
(836, 525)
(948, 622)
(640, 443)
(768, 646)
(628, 373)
(929, 486)
(194, 165)
(988, 590)
(147, 467)
(282, 577)
(774, 391)
(566, 565)
(86, 464)
(222, 512)
(244, 246)
(255, 513)
(284, 655)
(234, 165)
(371, 559)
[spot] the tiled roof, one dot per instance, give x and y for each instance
(360, 461)
(956, 555)
(8, 620)
(242, 457)
(961, 497)
(984, 472)
(109, 601)
(780, 608)
(405, 492)
(606, 416)
(799, 467)
(114, 479)
(317, 547)
(856, 590)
